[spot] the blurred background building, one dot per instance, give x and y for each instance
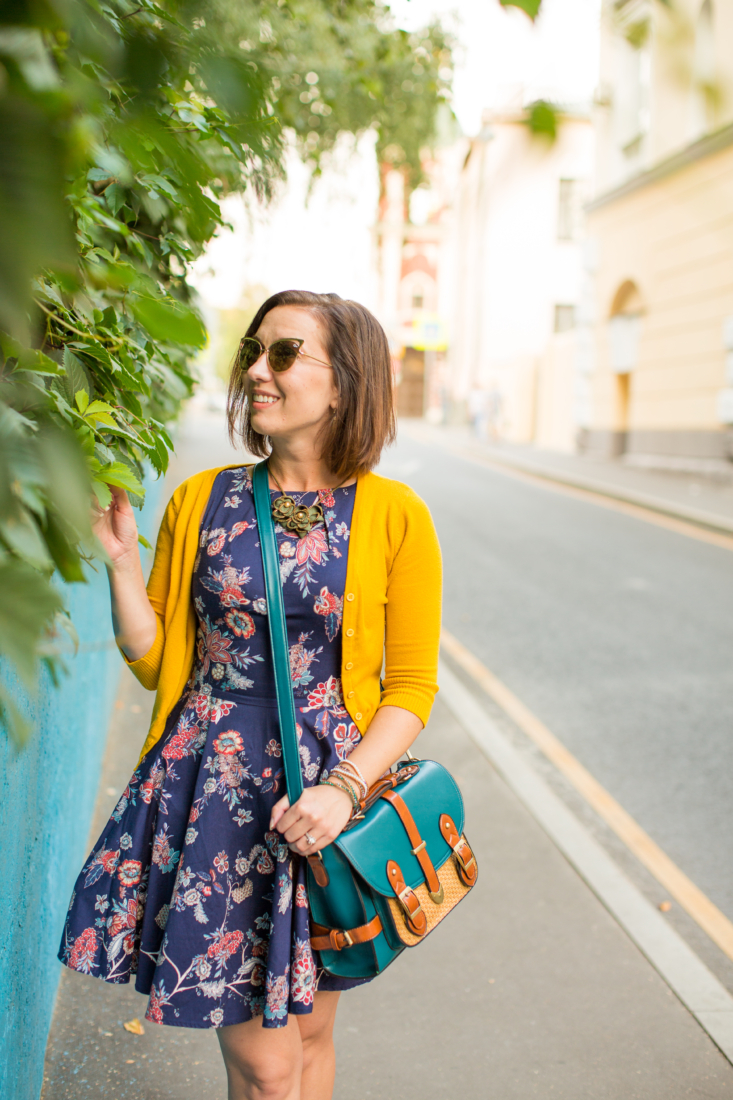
(573, 294)
(659, 338)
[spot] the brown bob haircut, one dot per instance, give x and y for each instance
(357, 347)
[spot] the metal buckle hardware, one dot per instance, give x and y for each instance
(418, 849)
(347, 937)
(460, 858)
(437, 898)
(410, 912)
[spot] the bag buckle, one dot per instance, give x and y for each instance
(457, 853)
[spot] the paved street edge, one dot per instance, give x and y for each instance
(471, 451)
(686, 975)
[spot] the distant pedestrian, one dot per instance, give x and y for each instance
(197, 884)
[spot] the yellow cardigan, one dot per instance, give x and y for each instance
(391, 607)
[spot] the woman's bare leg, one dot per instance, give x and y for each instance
(262, 1063)
(319, 1057)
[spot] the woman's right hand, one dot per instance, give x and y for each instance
(116, 529)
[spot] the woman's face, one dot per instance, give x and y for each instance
(300, 400)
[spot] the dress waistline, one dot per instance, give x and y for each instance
(247, 697)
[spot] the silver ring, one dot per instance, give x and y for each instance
(310, 841)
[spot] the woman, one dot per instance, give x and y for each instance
(196, 884)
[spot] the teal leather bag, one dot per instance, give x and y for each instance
(403, 862)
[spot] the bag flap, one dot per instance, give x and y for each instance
(381, 835)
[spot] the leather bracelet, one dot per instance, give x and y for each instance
(337, 786)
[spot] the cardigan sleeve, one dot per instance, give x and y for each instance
(412, 627)
(147, 668)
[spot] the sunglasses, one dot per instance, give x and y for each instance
(281, 354)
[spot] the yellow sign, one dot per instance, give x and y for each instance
(429, 333)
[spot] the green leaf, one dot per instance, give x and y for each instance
(28, 602)
(115, 197)
(102, 493)
(543, 120)
(21, 535)
(61, 545)
(170, 321)
(144, 542)
(82, 400)
(16, 724)
(531, 7)
(31, 360)
(119, 474)
(78, 379)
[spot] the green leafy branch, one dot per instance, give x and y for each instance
(123, 126)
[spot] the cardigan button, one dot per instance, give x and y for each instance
(350, 632)
(358, 716)
(349, 664)
(349, 596)
(351, 695)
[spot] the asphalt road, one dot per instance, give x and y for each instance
(617, 633)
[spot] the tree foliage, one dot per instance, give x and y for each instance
(123, 123)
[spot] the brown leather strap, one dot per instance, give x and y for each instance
(467, 868)
(418, 844)
(386, 783)
(318, 868)
(417, 922)
(336, 939)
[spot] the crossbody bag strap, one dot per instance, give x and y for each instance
(278, 633)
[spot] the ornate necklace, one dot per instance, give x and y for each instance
(294, 516)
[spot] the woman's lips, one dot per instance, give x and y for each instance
(263, 400)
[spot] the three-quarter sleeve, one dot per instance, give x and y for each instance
(147, 668)
(412, 627)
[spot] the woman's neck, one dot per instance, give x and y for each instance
(301, 473)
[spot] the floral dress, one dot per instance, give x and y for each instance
(187, 887)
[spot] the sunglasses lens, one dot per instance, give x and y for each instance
(249, 352)
(282, 354)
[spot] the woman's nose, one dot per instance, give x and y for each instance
(260, 369)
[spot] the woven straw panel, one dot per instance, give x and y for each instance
(454, 891)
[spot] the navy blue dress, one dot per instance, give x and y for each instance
(187, 887)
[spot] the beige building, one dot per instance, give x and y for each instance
(517, 277)
(655, 360)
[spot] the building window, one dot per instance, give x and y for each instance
(417, 299)
(623, 333)
(564, 318)
(633, 80)
(567, 211)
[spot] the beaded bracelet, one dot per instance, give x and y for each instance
(337, 787)
(358, 773)
(341, 779)
(351, 774)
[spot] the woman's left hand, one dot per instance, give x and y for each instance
(321, 812)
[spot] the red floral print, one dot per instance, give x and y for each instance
(312, 546)
(83, 951)
(225, 945)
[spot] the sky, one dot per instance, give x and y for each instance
(324, 241)
(501, 52)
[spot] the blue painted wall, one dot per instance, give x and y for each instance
(47, 795)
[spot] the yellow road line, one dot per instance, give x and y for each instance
(679, 886)
(595, 496)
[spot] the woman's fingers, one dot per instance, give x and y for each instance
(278, 810)
(120, 498)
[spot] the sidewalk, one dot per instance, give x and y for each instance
(530, 989)
(705, 499)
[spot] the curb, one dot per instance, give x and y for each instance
(473, 452)
(687, 976)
